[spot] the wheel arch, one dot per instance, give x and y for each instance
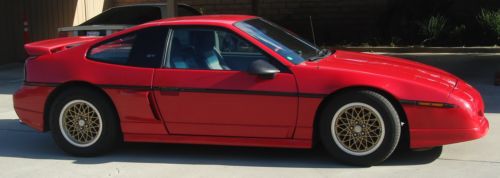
(405, 134)
(63, 87)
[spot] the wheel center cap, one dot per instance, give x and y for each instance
(357, 129)
(81, 123)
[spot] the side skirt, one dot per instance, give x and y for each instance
(226, 141)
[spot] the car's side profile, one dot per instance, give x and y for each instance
(239, 80)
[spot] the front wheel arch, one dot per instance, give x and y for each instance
(66, 86)
(404, 142)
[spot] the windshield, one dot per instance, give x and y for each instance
(288, 45)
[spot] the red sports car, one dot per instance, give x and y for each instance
(239, 80)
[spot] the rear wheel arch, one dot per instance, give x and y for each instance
(64, 87)
(404, 142)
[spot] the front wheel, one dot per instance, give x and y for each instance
(360, 128)
(84, 123)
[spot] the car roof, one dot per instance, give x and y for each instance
(202, 19)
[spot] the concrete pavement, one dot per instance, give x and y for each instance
(26, 153)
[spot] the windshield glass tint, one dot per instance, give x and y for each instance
(291, 47)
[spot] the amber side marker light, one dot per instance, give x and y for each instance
(428, 104)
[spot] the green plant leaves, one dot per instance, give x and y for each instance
(433, 27)
(490, 19)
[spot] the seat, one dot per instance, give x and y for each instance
(182, 57)
(206, 53)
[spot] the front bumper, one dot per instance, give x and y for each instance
(426, 138)
(430, 127)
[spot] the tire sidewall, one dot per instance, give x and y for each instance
(389, 117)
(109, 134)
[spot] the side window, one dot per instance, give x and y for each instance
(213, 49)
(140, 49)
(115, 52)
(230, 43)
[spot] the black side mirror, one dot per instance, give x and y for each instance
(263, 69)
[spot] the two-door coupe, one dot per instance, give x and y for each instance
(239, 80)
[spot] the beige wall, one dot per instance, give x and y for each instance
(86, 9)
(48, 15)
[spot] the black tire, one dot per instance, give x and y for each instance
(389, 117)
(110, 135)
(419, 156)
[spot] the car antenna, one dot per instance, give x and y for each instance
(312, 30)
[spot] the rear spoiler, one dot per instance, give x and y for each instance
(55, 45)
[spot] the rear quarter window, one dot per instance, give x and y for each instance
(143, 48)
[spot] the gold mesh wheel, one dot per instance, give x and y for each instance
(358, 129)
(80, 123)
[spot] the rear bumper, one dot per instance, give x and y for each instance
(29, 104)
(425, 138)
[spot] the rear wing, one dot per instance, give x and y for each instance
(55, 45)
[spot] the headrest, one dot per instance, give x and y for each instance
(203, 40)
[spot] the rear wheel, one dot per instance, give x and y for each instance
(84, 123)
(360, 128)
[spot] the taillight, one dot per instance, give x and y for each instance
(66, 34)
(26, 65)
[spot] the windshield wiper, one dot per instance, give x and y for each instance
(320, 54)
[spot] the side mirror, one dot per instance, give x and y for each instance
(263, 69)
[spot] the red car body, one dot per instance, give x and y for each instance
(236, 108)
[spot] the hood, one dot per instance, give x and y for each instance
(389, 66)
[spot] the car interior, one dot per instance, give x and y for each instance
(199, 53)
(211, 50)
(191, 48)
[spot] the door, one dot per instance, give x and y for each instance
(124, 67)
(205, 88)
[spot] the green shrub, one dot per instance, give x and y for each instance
(395, 41)
(490, 19)
(433, 27)
(458, 30)
(456, 34)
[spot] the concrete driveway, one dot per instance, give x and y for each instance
(26, 153)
